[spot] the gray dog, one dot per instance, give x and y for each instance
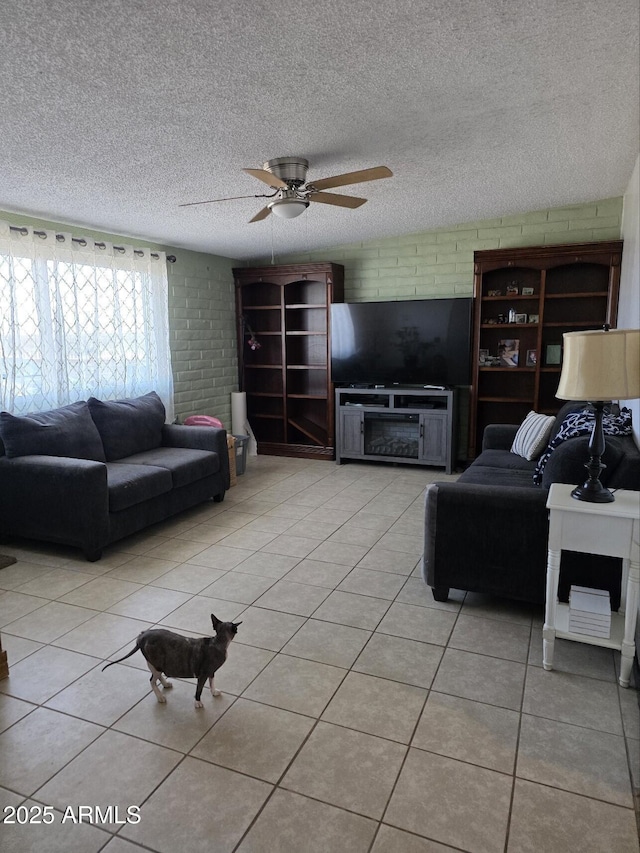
(183, 657)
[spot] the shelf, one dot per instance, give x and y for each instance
(501, 326)
(266, 416)
(307, 396)
(262, 307)
(263, 367)
(576, 295)
(516, 297)
(518, 400)
(507, 369)
(306, 367)
(311, 430)
(264, 394)
(577, 324)
(614, 641)
(305, 305)
(305, 333)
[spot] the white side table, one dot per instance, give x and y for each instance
(611, 529)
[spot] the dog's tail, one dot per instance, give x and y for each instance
(128, 655)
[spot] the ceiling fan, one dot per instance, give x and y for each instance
(291, 195)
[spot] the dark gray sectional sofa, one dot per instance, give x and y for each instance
(93, 472)
(487, 532)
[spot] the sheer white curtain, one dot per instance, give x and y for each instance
(80, 319)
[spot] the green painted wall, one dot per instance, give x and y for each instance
(440, 263)
(201, 322)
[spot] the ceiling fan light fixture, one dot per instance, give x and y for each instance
(288, 208)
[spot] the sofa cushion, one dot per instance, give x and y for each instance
(67, 431)
(133, 484)
(185, 465)
(128, 426)
(532, 436)
(499, 479)
(503, 459)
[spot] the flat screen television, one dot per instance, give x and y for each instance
(413, 342)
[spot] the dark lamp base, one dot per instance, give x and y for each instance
(593, 492)
(592, 489)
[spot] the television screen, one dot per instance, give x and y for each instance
(413, 342)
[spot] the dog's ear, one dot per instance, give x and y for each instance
(215, 622)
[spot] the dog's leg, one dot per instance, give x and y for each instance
(201, 682)
(155, 676)
(214, 692)
(166, 684)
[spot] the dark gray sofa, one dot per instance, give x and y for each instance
(487, 532)
(93, 472)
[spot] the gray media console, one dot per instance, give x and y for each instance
(396, 424)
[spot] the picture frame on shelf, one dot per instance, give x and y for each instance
(521, 318)
(483, 355)
(532, 358)
(528, 291)
(553, 355)
(512, 290)
(509, 352)
(534, 318)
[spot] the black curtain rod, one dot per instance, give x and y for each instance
(82, 242)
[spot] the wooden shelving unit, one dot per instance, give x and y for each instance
(288, 378)
(567, 288)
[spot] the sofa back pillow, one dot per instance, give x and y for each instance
(67, 431)
(533, 435)
(128, 426)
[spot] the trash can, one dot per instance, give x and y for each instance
(242, 446)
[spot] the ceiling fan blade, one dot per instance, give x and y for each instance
(267, 177)
(212, 200)
(339, 200)
(262, 214)
(360, 177)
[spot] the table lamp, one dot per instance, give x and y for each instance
(599, 366)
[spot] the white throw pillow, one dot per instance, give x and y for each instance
(533, 435)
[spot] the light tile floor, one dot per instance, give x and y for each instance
(358, 714)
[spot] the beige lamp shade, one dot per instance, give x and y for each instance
(600, 366)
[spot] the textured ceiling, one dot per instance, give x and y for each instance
(114, 113)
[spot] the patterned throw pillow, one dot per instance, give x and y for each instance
(581, 423)
(532, 435)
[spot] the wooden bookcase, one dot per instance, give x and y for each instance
(287, 380)
(559, 289)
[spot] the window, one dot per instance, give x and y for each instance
(80, 319)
